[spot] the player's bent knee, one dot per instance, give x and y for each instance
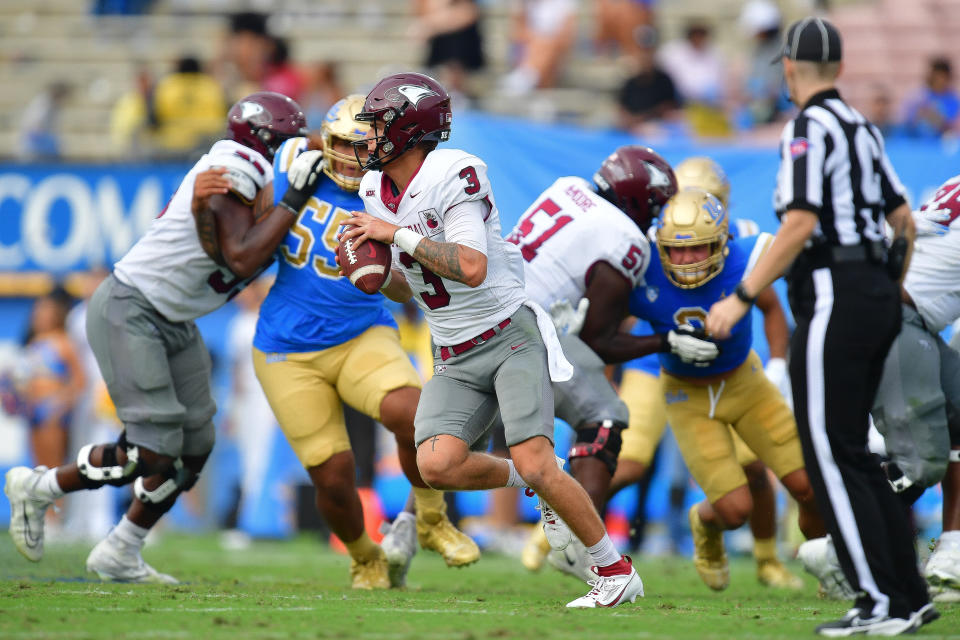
(438, 470)
(166, 486)
(120, 463)
(734, 509)
(601, 441)
(798, 484)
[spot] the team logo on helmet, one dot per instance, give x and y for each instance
(414, 93)
(658, 178)
(250, 109)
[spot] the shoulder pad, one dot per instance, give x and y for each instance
(246, 173)
(287, 153)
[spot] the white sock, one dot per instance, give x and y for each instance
(604, 553)
(950, 539)
(404, 514)
(129, 532)
(47, 487)
(514, 480)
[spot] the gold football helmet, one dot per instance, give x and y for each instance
(339, 124)
(704, 173)
(693, 218)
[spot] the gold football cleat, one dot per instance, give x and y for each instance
(535, 550)
(773, 573)
(709, 556)
(372, 574)
(436, 532)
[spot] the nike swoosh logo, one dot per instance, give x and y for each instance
(566, 557)
(514, 347)
(32, 540)
(414, 195)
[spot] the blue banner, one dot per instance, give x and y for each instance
(60, 218)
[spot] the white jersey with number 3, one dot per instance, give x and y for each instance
(168, 265)
(454, 311)
(567, 230)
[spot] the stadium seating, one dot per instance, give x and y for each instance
(888, 43)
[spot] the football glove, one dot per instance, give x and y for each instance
(691, 345)
(566, 319)
(304, 176)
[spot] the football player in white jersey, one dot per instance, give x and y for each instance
(494, 349)
(614, 210)
(917, 409)
(140, 325)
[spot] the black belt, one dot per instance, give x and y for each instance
(873, 252)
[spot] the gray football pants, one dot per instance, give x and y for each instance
(918, 398)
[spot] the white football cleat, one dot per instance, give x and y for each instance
(115, 561)
(942, 572)
(610, 591)
(26, 511)
(557, 532)
(400, 545)
(819, 558)
(573, 560)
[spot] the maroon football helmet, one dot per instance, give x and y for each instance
(638, 181)
(263, 120)
(403, 109)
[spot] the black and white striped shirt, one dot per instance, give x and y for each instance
(833, 163)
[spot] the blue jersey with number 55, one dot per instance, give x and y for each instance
(667, 306)
(311, 306)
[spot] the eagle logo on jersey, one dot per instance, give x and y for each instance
(414, 93)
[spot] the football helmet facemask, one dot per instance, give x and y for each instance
(403, 109)
(263, 120)
(703, 173)
(693, 218)
(339, 125)
(638, 181)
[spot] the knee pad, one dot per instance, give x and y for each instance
(112, 472)
(601, 441)
(179, 478)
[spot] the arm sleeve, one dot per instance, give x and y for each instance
(464, 224)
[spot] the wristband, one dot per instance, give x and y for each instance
(741, 293)
(407, 240)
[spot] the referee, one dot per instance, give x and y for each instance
(834, 187)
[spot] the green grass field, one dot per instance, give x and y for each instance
(298, 589)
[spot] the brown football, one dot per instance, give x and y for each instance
(368, 266)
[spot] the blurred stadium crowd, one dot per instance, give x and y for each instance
(151, 80)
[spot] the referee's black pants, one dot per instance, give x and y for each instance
(847, 317)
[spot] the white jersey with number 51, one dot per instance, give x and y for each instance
(454, 311)
(567, 230)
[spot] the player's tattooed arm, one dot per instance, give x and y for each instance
(452, 261)
(448, 260)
